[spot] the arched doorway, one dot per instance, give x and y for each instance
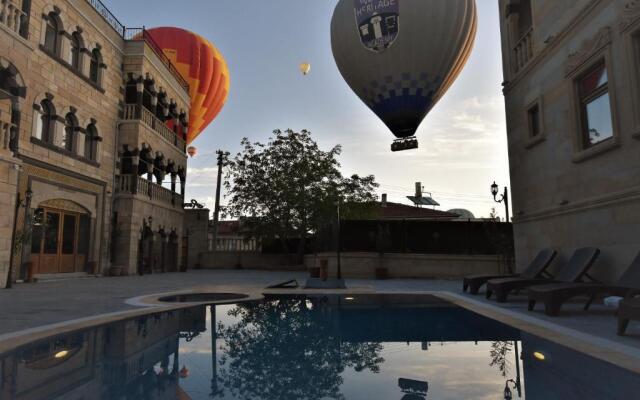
(60, 237)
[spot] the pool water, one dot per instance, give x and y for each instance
(310, 347)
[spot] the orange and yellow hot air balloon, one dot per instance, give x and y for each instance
(203, 67)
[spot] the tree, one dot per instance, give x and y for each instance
(289, 187)
(289, 348)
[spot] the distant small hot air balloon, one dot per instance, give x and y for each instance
(401, 57)
(192, 151)
(305, 68)
(184, 372)
(203, 67)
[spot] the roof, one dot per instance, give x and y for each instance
(228, 227)
(404, 211)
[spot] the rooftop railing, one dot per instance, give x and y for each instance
(141, 34)
(134, 34)
(108, 16)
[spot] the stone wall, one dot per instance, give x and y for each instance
(408, 266)
(565, 194)
(249, 260)
(197, 224)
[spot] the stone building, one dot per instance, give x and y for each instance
(572, 89)
(92, 157)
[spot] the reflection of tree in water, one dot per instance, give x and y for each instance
(500, 354)
(289, 349)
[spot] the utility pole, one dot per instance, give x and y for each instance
(222, 157)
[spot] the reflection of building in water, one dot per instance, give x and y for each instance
(412, 389)
(133, 359)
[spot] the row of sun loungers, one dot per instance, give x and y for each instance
(572, 280)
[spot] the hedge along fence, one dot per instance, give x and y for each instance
(419, 237)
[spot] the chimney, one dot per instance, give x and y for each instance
(418, 189)
(384, 200)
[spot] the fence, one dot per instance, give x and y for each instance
(419, 237)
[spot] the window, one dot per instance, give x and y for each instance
(76, 51)
(94, 69)
(535, 121)
(45, 121)
(51, 38)
(525, 20)
(595, 106)
(70, 129)
(91, 142)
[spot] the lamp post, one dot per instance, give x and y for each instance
(222, 158)
(504, 198)
(338, 246)
(26, 203)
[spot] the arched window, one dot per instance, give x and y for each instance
(52, 37)
(76, 51)
(70, 129)
(91, 142)
(94, 69)
(45, 121)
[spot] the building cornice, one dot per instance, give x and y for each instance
(588, 49)
(608, 200)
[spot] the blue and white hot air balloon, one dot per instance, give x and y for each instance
(401, 56)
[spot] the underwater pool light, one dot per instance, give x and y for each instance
(349, 298)
(539, 356)
(61, 354)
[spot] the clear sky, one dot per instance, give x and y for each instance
(462, 141)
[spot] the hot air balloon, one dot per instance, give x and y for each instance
(400, 57)
(305, 68)
(192, 151)
(203, 67)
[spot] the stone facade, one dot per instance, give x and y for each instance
(573, 139)
(95, 121)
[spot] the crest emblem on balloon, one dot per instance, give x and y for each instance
(378, 22)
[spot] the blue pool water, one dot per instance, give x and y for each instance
(309, 347)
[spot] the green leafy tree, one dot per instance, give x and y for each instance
(289, 187)
(289, 349)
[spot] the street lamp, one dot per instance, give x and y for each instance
(504, 198)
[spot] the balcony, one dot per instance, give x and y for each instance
(136, 112)
(12, 16)
(133, 184)
(523, 51)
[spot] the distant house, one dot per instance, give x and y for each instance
(394, 211)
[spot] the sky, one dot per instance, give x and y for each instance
(462, 141)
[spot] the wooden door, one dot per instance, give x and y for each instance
(60, 241)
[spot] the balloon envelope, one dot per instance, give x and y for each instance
(401, 56)
(305, 68)
(204, 68)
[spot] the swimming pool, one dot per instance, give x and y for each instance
(309, 347)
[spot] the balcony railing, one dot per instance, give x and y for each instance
(137, 112)
(133, 184)
(141, 34)
(12, 16)
(108, 16)
(523, 51)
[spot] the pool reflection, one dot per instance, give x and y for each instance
(312, 347)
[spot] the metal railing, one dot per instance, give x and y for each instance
(12, 16)
(133, 184)
(137, 112)
(108, 16)
(141, 34)
(523, 51)
(234, 244)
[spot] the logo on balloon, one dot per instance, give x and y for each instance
(378, 22)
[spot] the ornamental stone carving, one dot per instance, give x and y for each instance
(630, 14)
(588, 49)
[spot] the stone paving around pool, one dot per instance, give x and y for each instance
(29, 306)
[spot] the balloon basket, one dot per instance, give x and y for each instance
(408, 143)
